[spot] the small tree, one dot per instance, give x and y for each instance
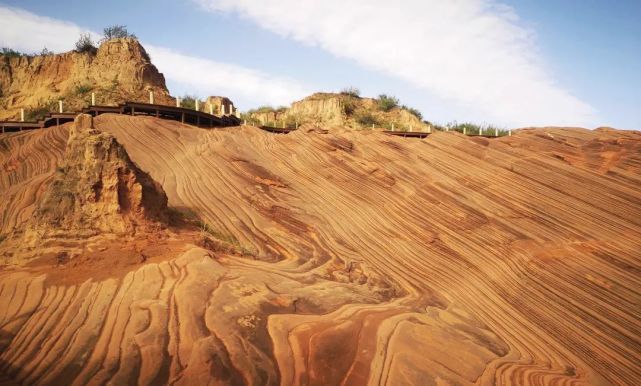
(85, 44)
(386, 103)
(116, 32)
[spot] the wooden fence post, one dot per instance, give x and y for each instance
(60, 106)
(93, 98)
(21, 115)
(151, 97)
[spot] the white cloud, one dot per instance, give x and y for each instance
(204, 77)
(27, 32)
(473, 53)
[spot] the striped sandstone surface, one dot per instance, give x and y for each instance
(349, 258)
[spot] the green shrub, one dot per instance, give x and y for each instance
(367, 119)
(351, 91)
(349, 104)
(387, 102)
(82, 89)
(267, 109)
(262, 109)
(413, 111)
(11, 53)
(45, 52)
(39, 112)
(116, 32)
(188, 101)
(85, 44)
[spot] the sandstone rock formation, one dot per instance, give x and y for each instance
(371, 259)
(217, 101)
(120, 70)
(96, 191)
(339, 110)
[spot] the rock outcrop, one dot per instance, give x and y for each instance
(217, 101)
(334, 110)
(119, 70)
(97, 190)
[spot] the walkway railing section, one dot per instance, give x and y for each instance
(181, 114)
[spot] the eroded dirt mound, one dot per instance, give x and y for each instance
(339, 110)
(120, 70)
(96, 192)
(98, 187)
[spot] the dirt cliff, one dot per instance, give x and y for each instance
(119, 70)
(339, 110)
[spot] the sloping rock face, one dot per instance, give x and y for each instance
(340, 110)
(120, 70)
(97, 190)
(509, 261)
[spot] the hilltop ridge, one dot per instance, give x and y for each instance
(119, 70)
(341, 110)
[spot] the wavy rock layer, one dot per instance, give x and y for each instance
(370, 259)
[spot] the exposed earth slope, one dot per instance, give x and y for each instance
(342, 257)
(120, 70)
(330, 110)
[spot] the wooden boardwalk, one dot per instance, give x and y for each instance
(184, 115)
(406, 134)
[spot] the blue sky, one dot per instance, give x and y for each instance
(512, 63)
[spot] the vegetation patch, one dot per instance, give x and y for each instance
(37, 113)
(413, 111)
(222, 242)
(366, 119)
(474, 129)
(116, 32)
(85, 44)
(82, 89)
(267, 109)
(387, 102)
(11, 53)
(188, 102)
(351, 91)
